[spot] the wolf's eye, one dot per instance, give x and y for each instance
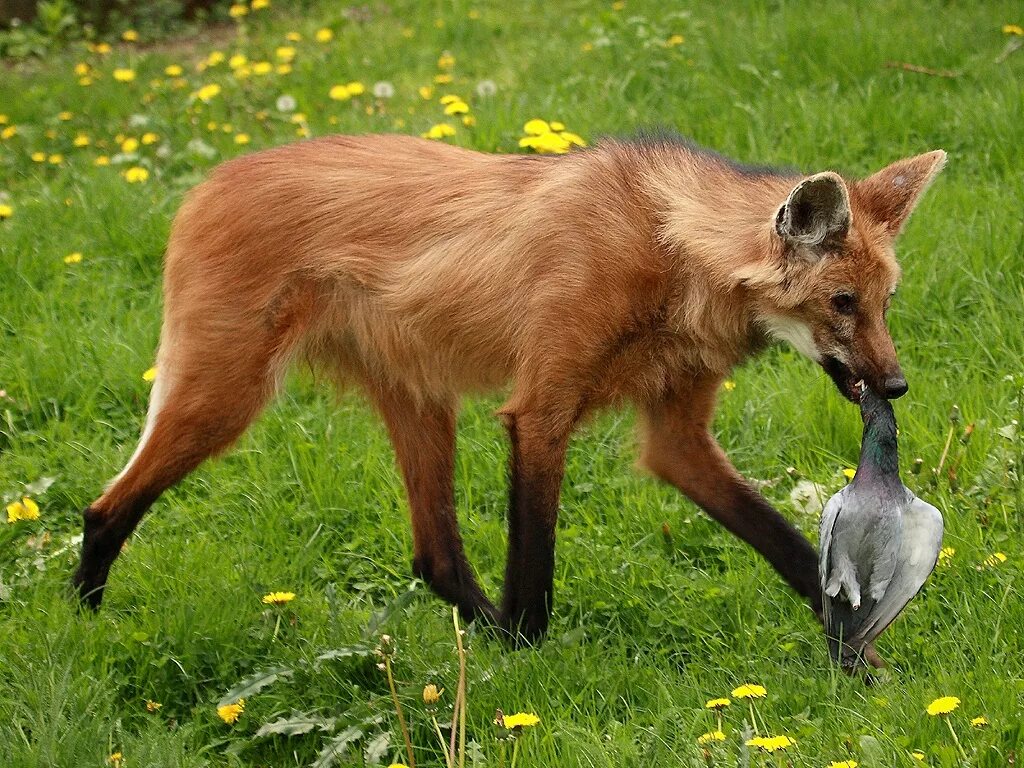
(844, 303)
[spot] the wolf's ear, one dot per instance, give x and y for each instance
(891, 194)
(815, 215)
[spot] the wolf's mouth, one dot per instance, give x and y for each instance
(846, 381)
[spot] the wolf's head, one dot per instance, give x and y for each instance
(835, 271)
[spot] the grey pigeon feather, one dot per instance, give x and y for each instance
(878, 543)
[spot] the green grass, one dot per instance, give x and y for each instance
(645, 628)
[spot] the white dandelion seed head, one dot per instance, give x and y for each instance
(486, 88)
(286, 103)
(383, 89)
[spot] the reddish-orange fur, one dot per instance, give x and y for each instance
(418, 271)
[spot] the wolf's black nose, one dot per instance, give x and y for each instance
(894, 386)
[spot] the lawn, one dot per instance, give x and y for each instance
(657, 608)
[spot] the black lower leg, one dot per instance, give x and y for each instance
(536, 477)
(104, 535)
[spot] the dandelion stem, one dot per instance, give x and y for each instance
(462, 692)
(459, 709)
(959, 746)
(753, 719)
(277, 626)
(515, 753)
(398, 709)
(444, 744)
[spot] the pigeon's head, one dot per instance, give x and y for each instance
(834, 273)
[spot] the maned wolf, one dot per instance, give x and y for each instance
(637, 271)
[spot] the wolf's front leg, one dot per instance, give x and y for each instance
(537, 462)
(680, 450)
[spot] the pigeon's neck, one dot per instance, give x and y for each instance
(879, 455)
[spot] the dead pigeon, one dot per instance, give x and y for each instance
(879, 542)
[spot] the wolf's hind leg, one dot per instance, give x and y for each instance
(423, 435)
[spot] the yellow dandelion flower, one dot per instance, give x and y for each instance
(728, 385)
(710, 736)
(285, 52)
(238, 10)
(439, 131)
(339, 93)
(173, 70)
(408, 33)
(750, 691)
(521, 720)
(238, 60)
(356, 88)
(81, 140)
(946, 554)
(674, 40)
(293, 37)
(943, 705)
(6, 211)
(324, 35)
(446, 61)
(1013, 29)
(298, 117)
(996, 558)
(849, 473)
(449, 98)
(443, 79)
(844, 764)
(278, 598)
(215, 58)
(587, 47)
(152, 706)
(241, 138)
(230, 713)
(262, 68)
(150, 138)
(101, 160)
(536, 127)
(4, 119)
(283, 69)
(431, 694)
(73, 258)
(771, 743)
(82, 69)
(425, 91)
(136, 175)
(208, 92)
(101, 48)
(979, 722)
(918, 755)
(38, 157)
(26, 509)
(65, 116)
(457, 108)
(129, 145)
(259, 5)
(468, 120)
(572, 138)
(545, 143)
(130, 36)
(55, 159)
(9, 131)
(618, 5)
(717, 703)
(115, 759)
(124, 74)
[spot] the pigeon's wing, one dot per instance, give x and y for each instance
(829, 515)
(919, 548)
(837, 612)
